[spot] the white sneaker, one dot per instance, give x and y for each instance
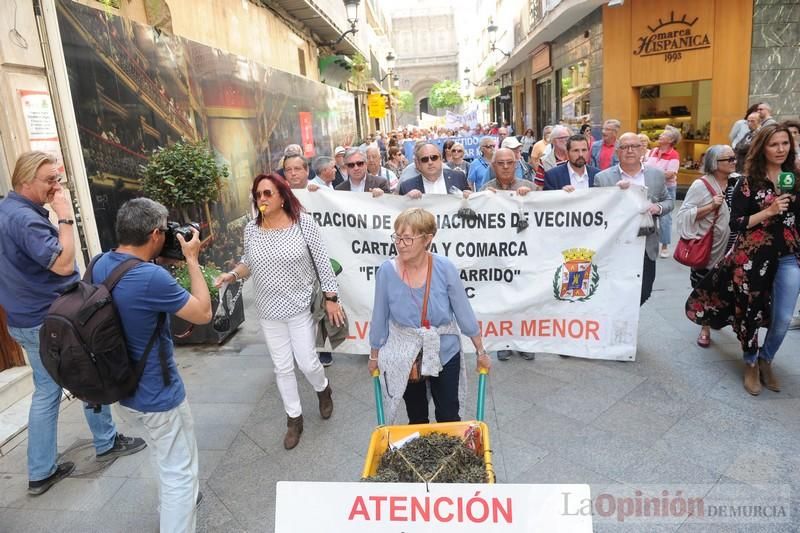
(664, 253)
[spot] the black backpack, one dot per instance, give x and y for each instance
(82, 344)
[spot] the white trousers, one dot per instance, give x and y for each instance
(288, 341)
(170, 436)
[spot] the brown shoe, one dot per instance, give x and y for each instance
(751, 382)
(325, 403)
(767, 377)
(294, 427)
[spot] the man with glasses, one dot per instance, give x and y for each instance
(631, 171)
(557, 156)
(37, 260)
(433, 177)
(603, 151)
(358, 179)
(480, 170)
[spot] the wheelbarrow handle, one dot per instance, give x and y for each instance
(482, 373)
(376, 382)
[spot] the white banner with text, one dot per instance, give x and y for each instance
(551, 272)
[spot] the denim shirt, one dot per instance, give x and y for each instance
(28, 249)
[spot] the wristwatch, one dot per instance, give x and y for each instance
(481, 352)
(334, 298)
(66, 221)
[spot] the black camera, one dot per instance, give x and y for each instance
(172, 247)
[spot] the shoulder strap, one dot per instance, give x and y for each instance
(713, 194)
(162, 353)
(310, 255)
(87, 276)
(119, 272)
(424, 318)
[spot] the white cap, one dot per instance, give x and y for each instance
(339, 150)
(511, 142)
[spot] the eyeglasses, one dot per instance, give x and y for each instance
(355, 164)
(628, 147)
(265, 194)
(457, 150)
(426, 158)
(407, 241)
(52, 180)
(727, 160)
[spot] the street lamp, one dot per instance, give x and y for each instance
(390, 60)
(351, 12)
(492, 31)
(466, 73)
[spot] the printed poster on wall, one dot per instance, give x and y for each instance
(40, 122)
(567, 282)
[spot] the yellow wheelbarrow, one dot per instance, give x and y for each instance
(383, 436)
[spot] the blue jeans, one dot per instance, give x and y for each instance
(785, 290)
(666, 220)
(43, 416)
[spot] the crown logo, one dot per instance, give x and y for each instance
(578, 254)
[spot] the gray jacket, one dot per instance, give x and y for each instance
(656, 193)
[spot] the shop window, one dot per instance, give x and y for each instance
(686, 106)
(575, 88)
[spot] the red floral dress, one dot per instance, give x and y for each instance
(738, 291)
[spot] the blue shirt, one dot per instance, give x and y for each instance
(479, 173)
(447, 300)
(28, 248)
(145, 291)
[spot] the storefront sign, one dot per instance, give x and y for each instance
(377, 105)
(540, 60)
(417, 507)
(672, 38)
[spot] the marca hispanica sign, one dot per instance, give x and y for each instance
(672, 38)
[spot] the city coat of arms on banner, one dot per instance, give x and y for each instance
(576, 279)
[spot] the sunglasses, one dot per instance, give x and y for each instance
(265, 194)
(425, 159)
(727, 160)
(457, 150)
(355, 164)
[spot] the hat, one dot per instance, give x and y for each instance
(339, 150)
(511, 142)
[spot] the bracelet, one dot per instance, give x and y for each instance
(235, 274)
(373, 358)
(482, 352)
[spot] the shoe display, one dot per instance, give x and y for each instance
(36, 488)
(122, 446)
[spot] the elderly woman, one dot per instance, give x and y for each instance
(757, 284)
(456, 161)
(279, 247)
(421, 308)
(665, 157)
(704, 209)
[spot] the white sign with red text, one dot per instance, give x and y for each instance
(551, 272)
(310, 507)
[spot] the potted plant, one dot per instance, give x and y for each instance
(185, 177)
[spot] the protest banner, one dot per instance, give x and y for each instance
(566, 280)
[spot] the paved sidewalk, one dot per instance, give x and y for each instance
(676, 419)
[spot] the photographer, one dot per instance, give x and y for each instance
(141, 296)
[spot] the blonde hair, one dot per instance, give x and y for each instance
(645, 139)
(28, 164)
(420, 221)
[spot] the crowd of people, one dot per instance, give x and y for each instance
(750, 280)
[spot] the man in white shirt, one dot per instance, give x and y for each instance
(576, 174)
(359, 180)
(325, 168)
(433, 178)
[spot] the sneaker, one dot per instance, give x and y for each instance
(326, 358)
(36, 488)
(122, 446)
(528, 356)
(795, 323)
(664, 253)
(504, 355)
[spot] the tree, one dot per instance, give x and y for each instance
(446, 93)
(406, 102)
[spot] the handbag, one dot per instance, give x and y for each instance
(415, 376)
(325, 327)
(696, 253)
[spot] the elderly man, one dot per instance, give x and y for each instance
(359, 181)
(480, 170)
(374, 167)
(765, 112)
(341, 170)
(295, 170)
(294, 150)
(630, 170)
(576, 174)
(37, 260)
(433, 178)
(522, 170)
(502, 133)
(743, 146)
(503, 163)
(557, 156)
(325, 167)
(603, 151)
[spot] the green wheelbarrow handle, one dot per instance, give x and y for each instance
(376, 381)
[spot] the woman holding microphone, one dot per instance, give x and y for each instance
(279, 247)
